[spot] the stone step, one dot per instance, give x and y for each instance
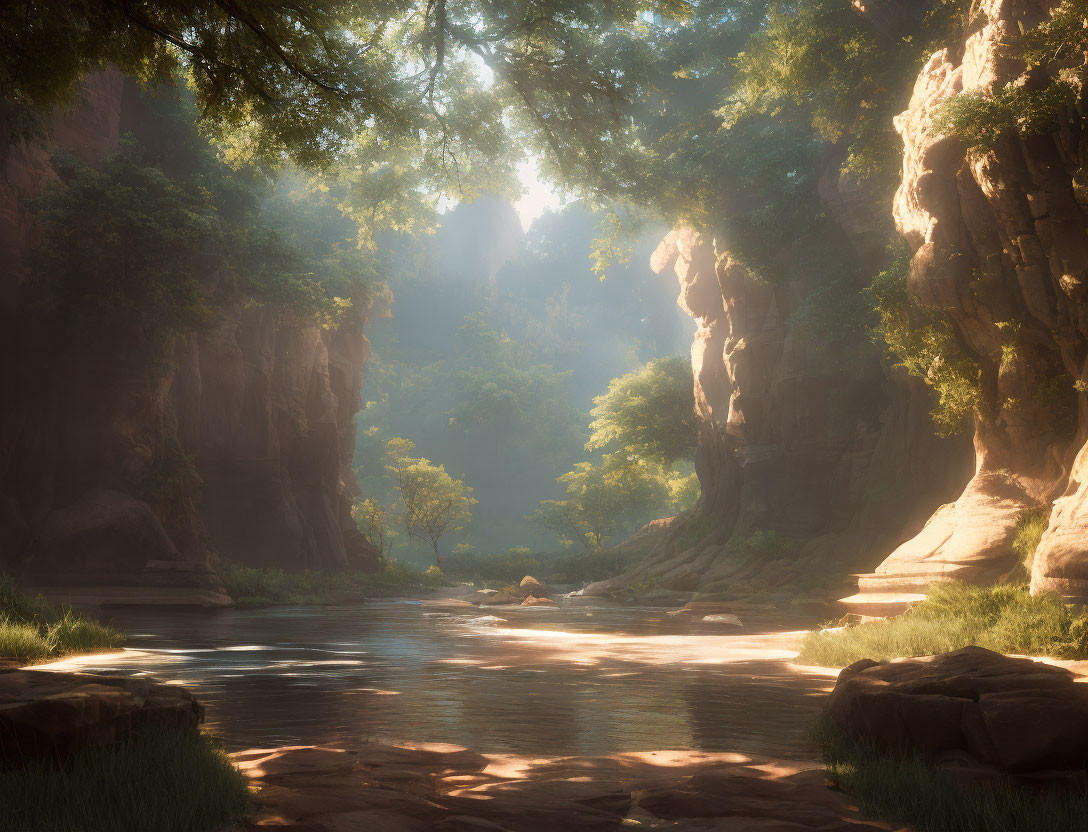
(880, 604)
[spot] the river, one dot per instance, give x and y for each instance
(568, 681)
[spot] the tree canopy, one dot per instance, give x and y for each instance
(649, 413)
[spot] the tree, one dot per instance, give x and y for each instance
(435, 504)
(306, 77)
(601, 498)
(373, 521)
(649, 413)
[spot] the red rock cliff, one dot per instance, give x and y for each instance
(999, 244)
(261, 404)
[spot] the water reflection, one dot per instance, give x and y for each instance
(544, 682)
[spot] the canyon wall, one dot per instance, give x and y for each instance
(837, 459)
(1000, 251)
(120, 485)
(1000, 247)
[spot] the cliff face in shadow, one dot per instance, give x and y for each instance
(120, 484)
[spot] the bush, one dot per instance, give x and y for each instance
(250, 586)
(907, 790)
(32, 630)
(167, 780)
(1005, 618)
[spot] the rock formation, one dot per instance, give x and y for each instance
(447, 788)
(999, 249)
(971, 706)
(120, 485)
(843, 460)
(999, 246)
(49, 714)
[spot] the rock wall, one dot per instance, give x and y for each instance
(841, 461)
(123, 486)
(999, 245)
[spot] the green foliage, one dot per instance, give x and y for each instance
(506, 568)
(123, 245)
(171, 472)
(1030, 525)
(435, 504)
(908, 790)
(924, 342)
(250, 586)
(849, 78)
(601, 499)
(169, 780)
(1004, 618)
(982, 120)
(1058, 39)
(373, 521)
(31, 629)
(137, 245)
(649, 413)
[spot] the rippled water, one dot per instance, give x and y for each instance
(535, 681)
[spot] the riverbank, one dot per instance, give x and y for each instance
(428, 713)
(444, 788)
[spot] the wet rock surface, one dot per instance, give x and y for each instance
(422, 788)
(981, 708)
(49, 714)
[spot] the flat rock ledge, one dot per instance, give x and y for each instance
(440, 788)
(973, 710)
(45, 713)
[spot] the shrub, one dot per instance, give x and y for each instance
(1005, 618)
(167, 780)
(251, 586)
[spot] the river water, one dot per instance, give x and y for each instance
(521, 681)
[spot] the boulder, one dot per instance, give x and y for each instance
(533, 601)
(723, 618)
(47, 714)
(531, 586)
(1017, 715)
(492, 597)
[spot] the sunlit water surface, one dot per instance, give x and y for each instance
(538, 681)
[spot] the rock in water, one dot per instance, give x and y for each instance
(533, 601)
(47, 714)
(492, 597)
(723, 618)
(1014, 715)
(531, 586)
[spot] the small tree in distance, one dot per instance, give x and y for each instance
(435, 504)
(373, 521)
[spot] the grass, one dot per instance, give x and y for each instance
(166, 780)
(1030, 525)
(33, 630)
(1004, 618)
(907, 790)
(250, 586)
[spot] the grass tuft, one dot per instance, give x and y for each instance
(907, 790)
(32, 630)
(1004, 618)
(166, 780)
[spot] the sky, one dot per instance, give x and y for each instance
(537, 195)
